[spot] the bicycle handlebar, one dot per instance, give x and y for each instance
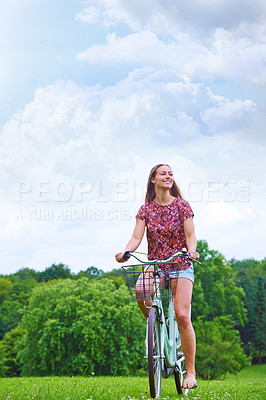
(182, 253)
(127, 255)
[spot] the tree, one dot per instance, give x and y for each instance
(217, 309)
(25, 274)
(10, 313)
(5, 288)
(8, 348)
(218, 348)
(234, 304)
(250, 275)
(15, 299)
(215, 293)
(59, 271)
(259, 320)
(2, 360)
(79, 327)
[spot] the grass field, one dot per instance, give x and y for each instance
(250, 384)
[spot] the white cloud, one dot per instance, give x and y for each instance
(233, 115)
(225, 213)
(65, 123)
(169, 15)
(89, 14)
(206, 40)
(224, 57)
(74, 164)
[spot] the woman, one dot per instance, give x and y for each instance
(170, 227)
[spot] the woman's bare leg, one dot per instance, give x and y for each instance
(144, 290)
(188, 340)
(145, 307)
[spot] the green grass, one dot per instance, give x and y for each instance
(249, 384)
(251, 373)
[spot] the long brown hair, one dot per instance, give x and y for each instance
(150, 194)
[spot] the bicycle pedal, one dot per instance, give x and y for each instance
(186, 391)
(180, 354)
(193, 387)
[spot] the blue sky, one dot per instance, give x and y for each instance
(94, 93)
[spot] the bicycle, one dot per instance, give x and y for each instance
(149, 282)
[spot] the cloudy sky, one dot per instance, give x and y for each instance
(94, 93)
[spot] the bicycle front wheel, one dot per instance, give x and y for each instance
(154, 353)
(179, 373)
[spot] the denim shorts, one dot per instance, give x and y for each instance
(186, 273)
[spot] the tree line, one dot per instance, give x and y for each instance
(56, 322)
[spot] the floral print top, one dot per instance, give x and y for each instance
(165, 229)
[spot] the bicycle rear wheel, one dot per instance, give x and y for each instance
(154, 353)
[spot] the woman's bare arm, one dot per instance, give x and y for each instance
(191, 238)
(134, 241)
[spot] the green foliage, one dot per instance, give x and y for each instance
(59, 271)
(2, 361)
(91, 273)
(251, 276)
(56, 271)
(25, 274)
(79, 327)
(217, 309)
(15, 299)
(5, 287)
(259, 320)
(9, 350)
(10, 312)
(215, 293)
(117, 280)
(218, 348)
(115, 272)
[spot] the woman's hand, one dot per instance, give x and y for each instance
(119, 257)
(194, 255)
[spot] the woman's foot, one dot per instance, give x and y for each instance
(190, 382)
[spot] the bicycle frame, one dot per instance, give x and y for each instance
(170, 339)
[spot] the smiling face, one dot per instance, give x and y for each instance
(161, 179)
(164, 178)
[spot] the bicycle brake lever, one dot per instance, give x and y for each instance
(185, 253)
